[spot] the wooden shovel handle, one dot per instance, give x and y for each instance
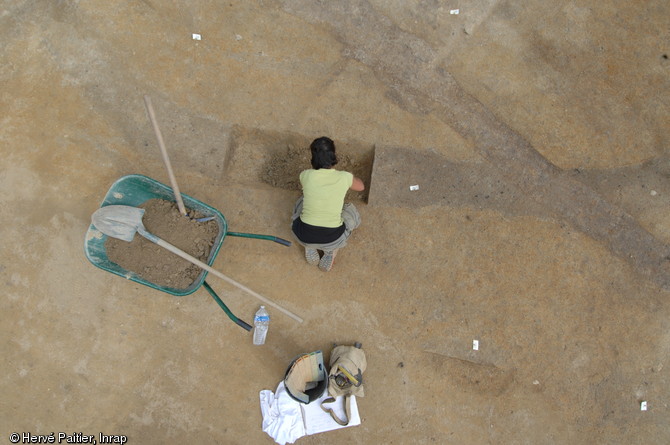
(206, 267)
(166, 159)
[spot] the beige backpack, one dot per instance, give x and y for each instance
(347, 364)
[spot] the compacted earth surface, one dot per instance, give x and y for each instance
(510, 281)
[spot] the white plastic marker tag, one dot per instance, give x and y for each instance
(475, 345)
(643, 406)
(197, 37)
(413, 187)
(454, 11)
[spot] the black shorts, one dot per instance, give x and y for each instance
(314, 234)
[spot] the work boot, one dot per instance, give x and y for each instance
(327, 260)
(312, 256)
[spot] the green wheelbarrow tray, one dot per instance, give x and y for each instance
(135, 190)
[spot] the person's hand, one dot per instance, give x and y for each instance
(357, 185)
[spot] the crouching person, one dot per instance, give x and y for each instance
(321, 220)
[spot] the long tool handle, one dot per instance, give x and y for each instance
(197, 262)
(166, 159)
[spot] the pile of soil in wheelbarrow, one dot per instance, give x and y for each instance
(156, 264)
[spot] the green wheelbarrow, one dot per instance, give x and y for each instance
(135, 190)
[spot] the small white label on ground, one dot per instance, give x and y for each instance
(643, 406)
(197, 37)
(653, 193)
(414, 187)
(454, 11)
(475, 345)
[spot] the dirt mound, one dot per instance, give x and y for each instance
(156, 264)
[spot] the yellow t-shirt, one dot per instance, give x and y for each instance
(323, 191)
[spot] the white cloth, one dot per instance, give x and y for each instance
(282, 416)
(287, 420)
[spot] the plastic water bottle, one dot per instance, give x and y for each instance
(261, 325)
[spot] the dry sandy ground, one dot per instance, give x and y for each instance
(537, 132)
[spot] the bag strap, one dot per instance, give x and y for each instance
(347, 409)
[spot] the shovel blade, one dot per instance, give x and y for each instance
(118, 221)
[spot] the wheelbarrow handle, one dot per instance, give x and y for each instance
(282, 241)
(223, 306)
(276, 239)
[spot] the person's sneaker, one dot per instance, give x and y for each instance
(312, 256)
(327, 260)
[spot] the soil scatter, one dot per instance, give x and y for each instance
(284, 167)
(156, 264)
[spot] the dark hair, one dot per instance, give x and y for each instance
(323, 153)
